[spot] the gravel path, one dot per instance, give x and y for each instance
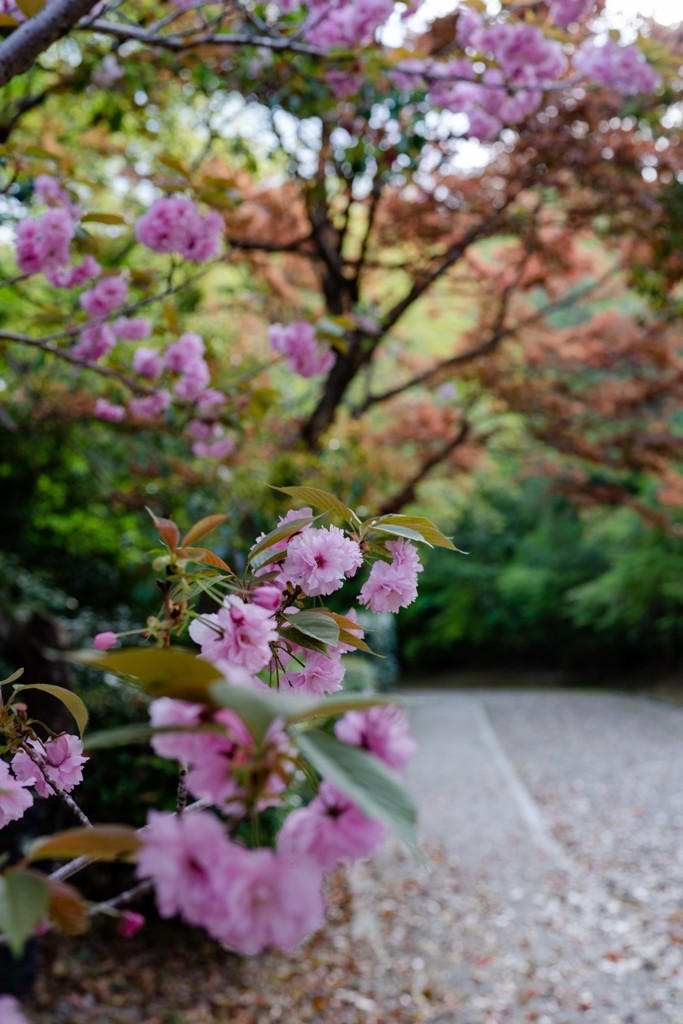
(551, 891)
(553, 885)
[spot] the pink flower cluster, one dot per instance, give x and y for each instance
(62, 762)
(227, 768)
(298, 342)
(565, 12)
(43, 244)
(247, 899)
(319, 673)
(331, 830)
(622, 67)
(174, 225)
(348, 23)
(237, 636)
(383, 730)
(393, 585)
(319, 559)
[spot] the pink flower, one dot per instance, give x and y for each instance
(319, 559)
(97, 341)
(299, 343)
(239, 634)
(43, 244)
(180, 355)
(391, 586)
(132, 328)
(147, 362)
(62, 760)
(109, 411)
(343, 648)
(53, 193)
(272, 901)
(331, 830)
(622, 67)
(177, 746)
(216, 450)
(174, 224)
(231, 772)
(193, 381)
(150, 407)
(383, 730)
(10, 1011)
(15, 798)
(108, 293)
(191, 862)
(130, 923)
(565, 12)
(103, 641)
(267, 596)
(73, 277)
(320, 674)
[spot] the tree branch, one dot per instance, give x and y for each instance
(407, 493)
(19, 51)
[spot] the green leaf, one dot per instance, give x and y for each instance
(316, 624)
(401, 531)
(119, 737)
(71, 701)
(23, 905)
(161, 672)
(102, 218)
(280, 533)
(321, 499)
(208, 558)
(364, 779)
(301, 639)
(256, 708)
(202, 528)
(428, 532)
(102, 842)
(10, 679)
(313, 708)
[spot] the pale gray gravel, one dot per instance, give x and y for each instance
(552, 888)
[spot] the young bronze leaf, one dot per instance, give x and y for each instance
(167, 530)
(67, 909)
(202, 528)
(102, 842)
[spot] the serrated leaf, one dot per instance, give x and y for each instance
(321, 499)
(161, 672)
(71, 701)
(280, 533)
(202, 528)
(67, 909)
(23, 905)
(316, 624)
(102, 842)
(167, 529)
(102, 218)
(10, 679)
(364, 779)
(425, 527)
(265, 558)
